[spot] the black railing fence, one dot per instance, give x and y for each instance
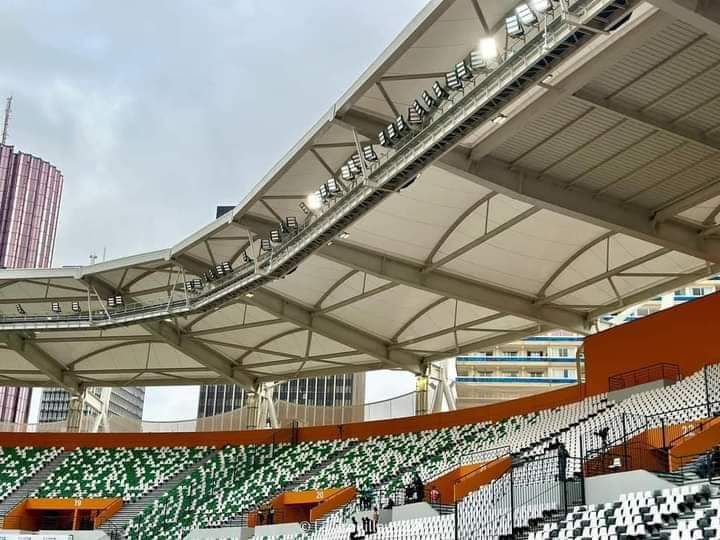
(655, 372)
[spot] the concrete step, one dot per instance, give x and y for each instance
(241, 519)
(32, 484)
(129, 510)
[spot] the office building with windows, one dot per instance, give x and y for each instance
(126, 402)
(342, 390)
(30, 192)
(539, 363)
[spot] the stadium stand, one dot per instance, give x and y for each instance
(235, 481)
(215, 488)
(128, 473)
(17, 465)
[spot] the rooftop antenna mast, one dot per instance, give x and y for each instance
(6, 120)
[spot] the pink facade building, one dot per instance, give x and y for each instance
(30, 191)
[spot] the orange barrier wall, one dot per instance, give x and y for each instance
(446, 483)
(682, 335)
(480, 477)
(336, 500)
(700, 441)
(27, 514)
(359, 430)
(299, 506)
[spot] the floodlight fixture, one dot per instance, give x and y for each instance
(402, 125)
(355, 163)
(291, 224)
(193, 285)
(541, 6)
(384, 139)
(333, 187)
(525, 14)
(55, 307)
(488, 49)
(75, 307)
(246, 258)
(324, 192)
(304, 208)
(275, 236)
(500, 119)
(369, 153)
(115, 301)
(416, 109)
(249, 294)
(414, 118)
(439, 91)
(314, 201)
(265, 245)
(430, 101)
(20, 309)
(476, 61)
(513, 27)
(463, 71)
(344, 235)
(453, 81)
(226, 267)
(392, 132)
(346, 172)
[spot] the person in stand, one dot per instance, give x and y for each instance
(563, 455)
(389, 504)
(434, 495)
(409, 493)
(271, 516)
(375, 518)
(354, 532)
(261, 515)
(419, 488)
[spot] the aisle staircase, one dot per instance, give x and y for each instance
(241, 520)
(115, 526)
(32, 485)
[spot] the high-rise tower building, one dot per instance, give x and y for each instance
(30, 191)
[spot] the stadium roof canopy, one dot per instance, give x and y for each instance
(577, 177)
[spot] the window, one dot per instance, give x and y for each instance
(510, 353)
(563, 352)
(566, 373)
(698, 291)
(536, 374)
(512, 373)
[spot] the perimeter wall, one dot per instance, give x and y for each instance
(685, 335)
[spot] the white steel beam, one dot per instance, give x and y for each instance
(333, 329)
(675, 130)
(444, 284)
(581, 204)
(490, 342)
(185, 344)
(202, 354)
(45, 363)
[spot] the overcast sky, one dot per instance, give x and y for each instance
(157, 111)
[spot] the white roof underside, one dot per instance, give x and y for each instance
(542, 222)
